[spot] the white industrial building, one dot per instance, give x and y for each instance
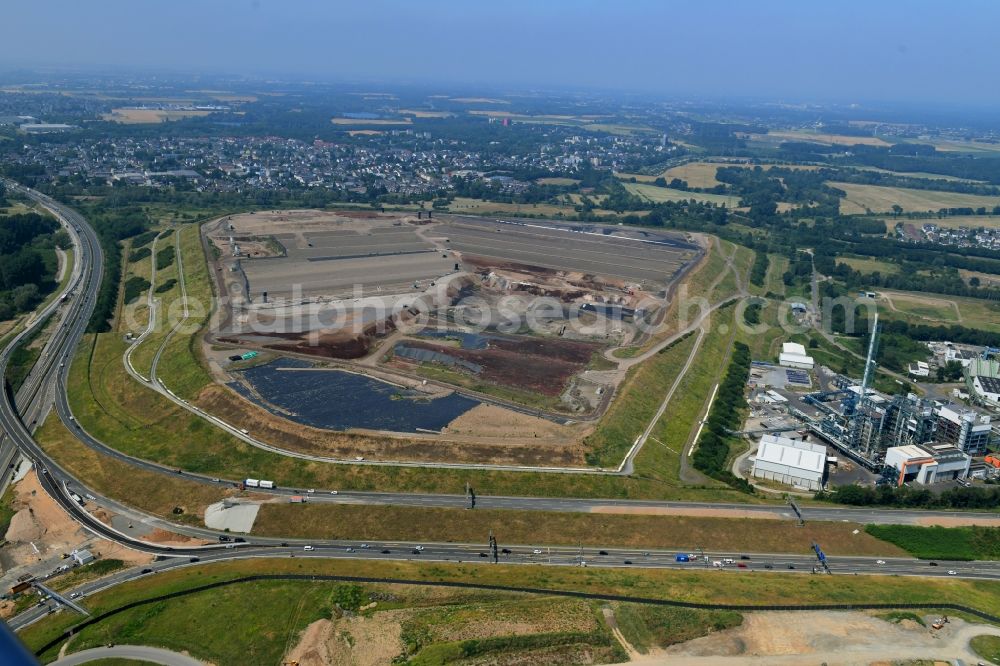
(790, 461)
(920, 369)
(83, 556)
(793, 355)
(927, 463)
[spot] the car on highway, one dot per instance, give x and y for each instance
(742, 565)
(364, 545)
(311, 491)
(74, 595)
(415, 551)
(350, 550)
(537, 551)
(879, 561)
(790, 566)
(952, 572)
(386, 551)
(602, 552)
(308, 548)
(505, 551)
(333, 492)
(418, 548)
(627, 562)
(483, 555)
(933, 564)
(194, 559)
(146, 571)
(768, 566)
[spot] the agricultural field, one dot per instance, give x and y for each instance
(952, 221)
(127, 116)
(378, 122)
(869, 265)
(818, 137)
(557, 181)
(878, 199)
(940, 309)
(658, 194)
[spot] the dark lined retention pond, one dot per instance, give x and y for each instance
(339, 400)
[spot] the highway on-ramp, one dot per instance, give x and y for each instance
(137, 652)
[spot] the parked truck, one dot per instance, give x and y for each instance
(682, 558)
(266, 484)
(252, 483)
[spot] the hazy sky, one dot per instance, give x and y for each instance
(796, 49)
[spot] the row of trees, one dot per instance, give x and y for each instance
(905, 496)
(712, 454)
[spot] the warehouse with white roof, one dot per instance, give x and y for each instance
(793, 462)
(793, 355)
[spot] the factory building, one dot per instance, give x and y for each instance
(982, 377)
(927, 463)
(964, 429)
(790, 461)
(793, 355)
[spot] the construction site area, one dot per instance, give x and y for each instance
(416, 323)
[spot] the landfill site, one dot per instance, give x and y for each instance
(510, 313)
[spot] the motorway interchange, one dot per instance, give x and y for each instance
(46, 386)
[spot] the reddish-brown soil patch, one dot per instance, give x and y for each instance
(544, 366)
(344, 344)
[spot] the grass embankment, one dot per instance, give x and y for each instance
(89, 572)
(987, 647)
(149, 491)
(182, 367)
(169, 309)
(647, 627)
(418, 625)
(385, 523)
(7, 509)
(660, 458)
(23, 359)
(252, 627)
(942, 543)
(639, 396)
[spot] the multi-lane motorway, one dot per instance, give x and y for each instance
(47, 383)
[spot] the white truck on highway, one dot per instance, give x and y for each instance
(266, 484)
(259, 483)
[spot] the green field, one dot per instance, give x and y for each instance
(648, 627)
(987, 647)
(271, 627)
(869, 265)
(658, 194)
(879, 199)
(941, 309)
(942, 543)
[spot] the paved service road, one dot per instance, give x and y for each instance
(139, 652)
